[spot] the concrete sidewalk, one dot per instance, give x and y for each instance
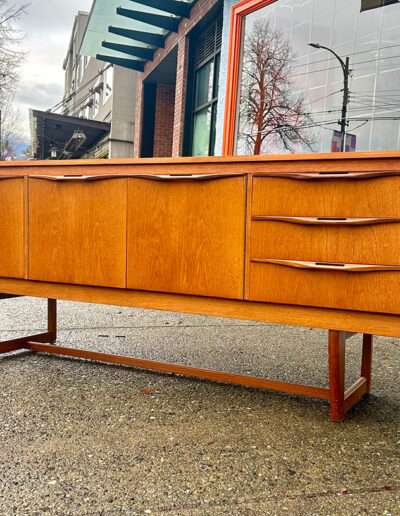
(85, 438)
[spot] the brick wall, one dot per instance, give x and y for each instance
(179, 39)
(180, 96)
(164, 121)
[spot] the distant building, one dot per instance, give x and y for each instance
(198, 92)
(96, 116)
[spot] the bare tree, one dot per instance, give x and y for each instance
(11, 60)
(11, 55)
(270, 113)
(11, 132)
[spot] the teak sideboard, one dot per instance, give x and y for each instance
(309, 240)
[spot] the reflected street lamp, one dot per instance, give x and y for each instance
(346, 74)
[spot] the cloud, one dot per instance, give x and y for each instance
(52, 17)
(43, 95)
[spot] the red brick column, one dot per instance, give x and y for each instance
(199, 10)
(164, 120)
(138, 116)
(180, 96)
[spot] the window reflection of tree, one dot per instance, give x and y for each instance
(271, 115)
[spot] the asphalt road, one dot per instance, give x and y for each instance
(85, 438)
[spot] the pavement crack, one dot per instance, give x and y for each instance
(284, 496)
(109, 328)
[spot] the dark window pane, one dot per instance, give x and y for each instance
(212, 132)
(204, 84)
(373, 4)
(201, 132)
(216, 75)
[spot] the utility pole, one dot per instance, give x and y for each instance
(346, 73)
(343, 122)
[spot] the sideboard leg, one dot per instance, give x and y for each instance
(52, 319)
(366, 361)
(337, 340)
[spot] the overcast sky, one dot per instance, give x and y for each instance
(47, 25)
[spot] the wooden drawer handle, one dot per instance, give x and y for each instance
(330, 266)
(184, 177)
(334, 221)
(77, 177)
(152, 177)
(11, 177)
(329, 175)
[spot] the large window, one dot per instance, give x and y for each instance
(206, 74)
(287, 96)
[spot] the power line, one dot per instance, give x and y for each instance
(352, 54)
(80, 101)
(83, 86)
(322, 98)
(338, 67)
(370, 91)
(321, 125)
(378, 95)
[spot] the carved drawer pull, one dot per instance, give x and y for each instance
(331, 266)
(11, 177)
(152, 177)
(329, 175)
(184, 177)
(334, 221)
(78, 177)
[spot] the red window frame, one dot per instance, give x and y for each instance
(238, 11)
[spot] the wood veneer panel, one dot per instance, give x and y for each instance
(374, 197)
(349, 161)
(350, 321)
(12, 228)
(187, 237)
(376, 244)
(365, 291)
(77, 231)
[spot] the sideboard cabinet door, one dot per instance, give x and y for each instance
(77, 231)
(12, 227)
(187, 235)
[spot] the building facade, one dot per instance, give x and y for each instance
(98, 104)
(228, 77)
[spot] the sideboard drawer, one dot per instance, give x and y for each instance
(368, 291)
(12, 227)
(77, 231)
(359, 241)
(186, 235)
(327, 196)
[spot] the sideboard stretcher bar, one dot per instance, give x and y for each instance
(338, 269)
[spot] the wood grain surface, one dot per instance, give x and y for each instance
(187, 237)
(328, 266)
(370, 244)
(12, 228)
(376, 197)
(77, 232)
(350, 321)
(348, 162)
(365, 291)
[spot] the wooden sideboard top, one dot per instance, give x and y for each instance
(349, 161)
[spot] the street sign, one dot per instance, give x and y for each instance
(337, 139)
(351, 141)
